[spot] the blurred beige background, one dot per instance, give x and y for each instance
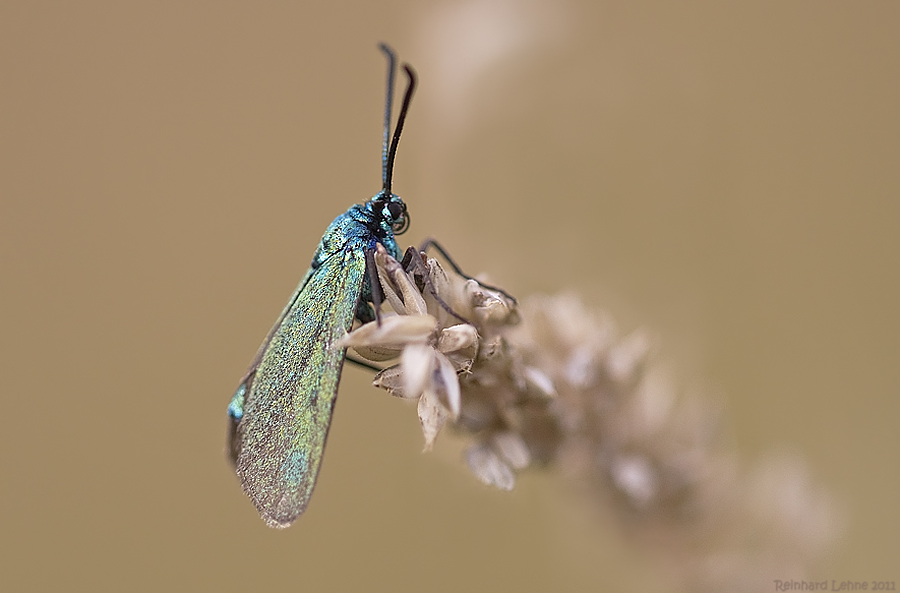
(726, 175)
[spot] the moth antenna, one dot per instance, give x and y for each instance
(392, 151)
(388, 108)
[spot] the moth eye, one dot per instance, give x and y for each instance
(401, 225)
(396, 210)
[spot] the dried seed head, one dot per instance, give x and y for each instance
(551, 383)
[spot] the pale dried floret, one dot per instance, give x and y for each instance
(432, 415)
(390, 335)
(634, 475)
(539, 380)
(626, 358)
(487, 466)
(416, 366)
(512, 449)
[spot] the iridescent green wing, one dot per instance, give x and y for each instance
(287, 402)
(236, 406)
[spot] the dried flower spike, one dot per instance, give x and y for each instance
(550, 383)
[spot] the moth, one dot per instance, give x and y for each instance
(280, 414)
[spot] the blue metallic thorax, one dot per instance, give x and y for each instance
(367, 222)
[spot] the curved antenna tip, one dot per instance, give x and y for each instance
(387, 49)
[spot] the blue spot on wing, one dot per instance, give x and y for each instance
(236, 407)
(296, 465)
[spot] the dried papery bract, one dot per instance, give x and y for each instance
(550, 382)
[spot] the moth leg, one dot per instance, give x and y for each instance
(363, 363)
(412, 262)
(440, 249)
(371, 293)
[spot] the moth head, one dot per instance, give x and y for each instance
(392, 210)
